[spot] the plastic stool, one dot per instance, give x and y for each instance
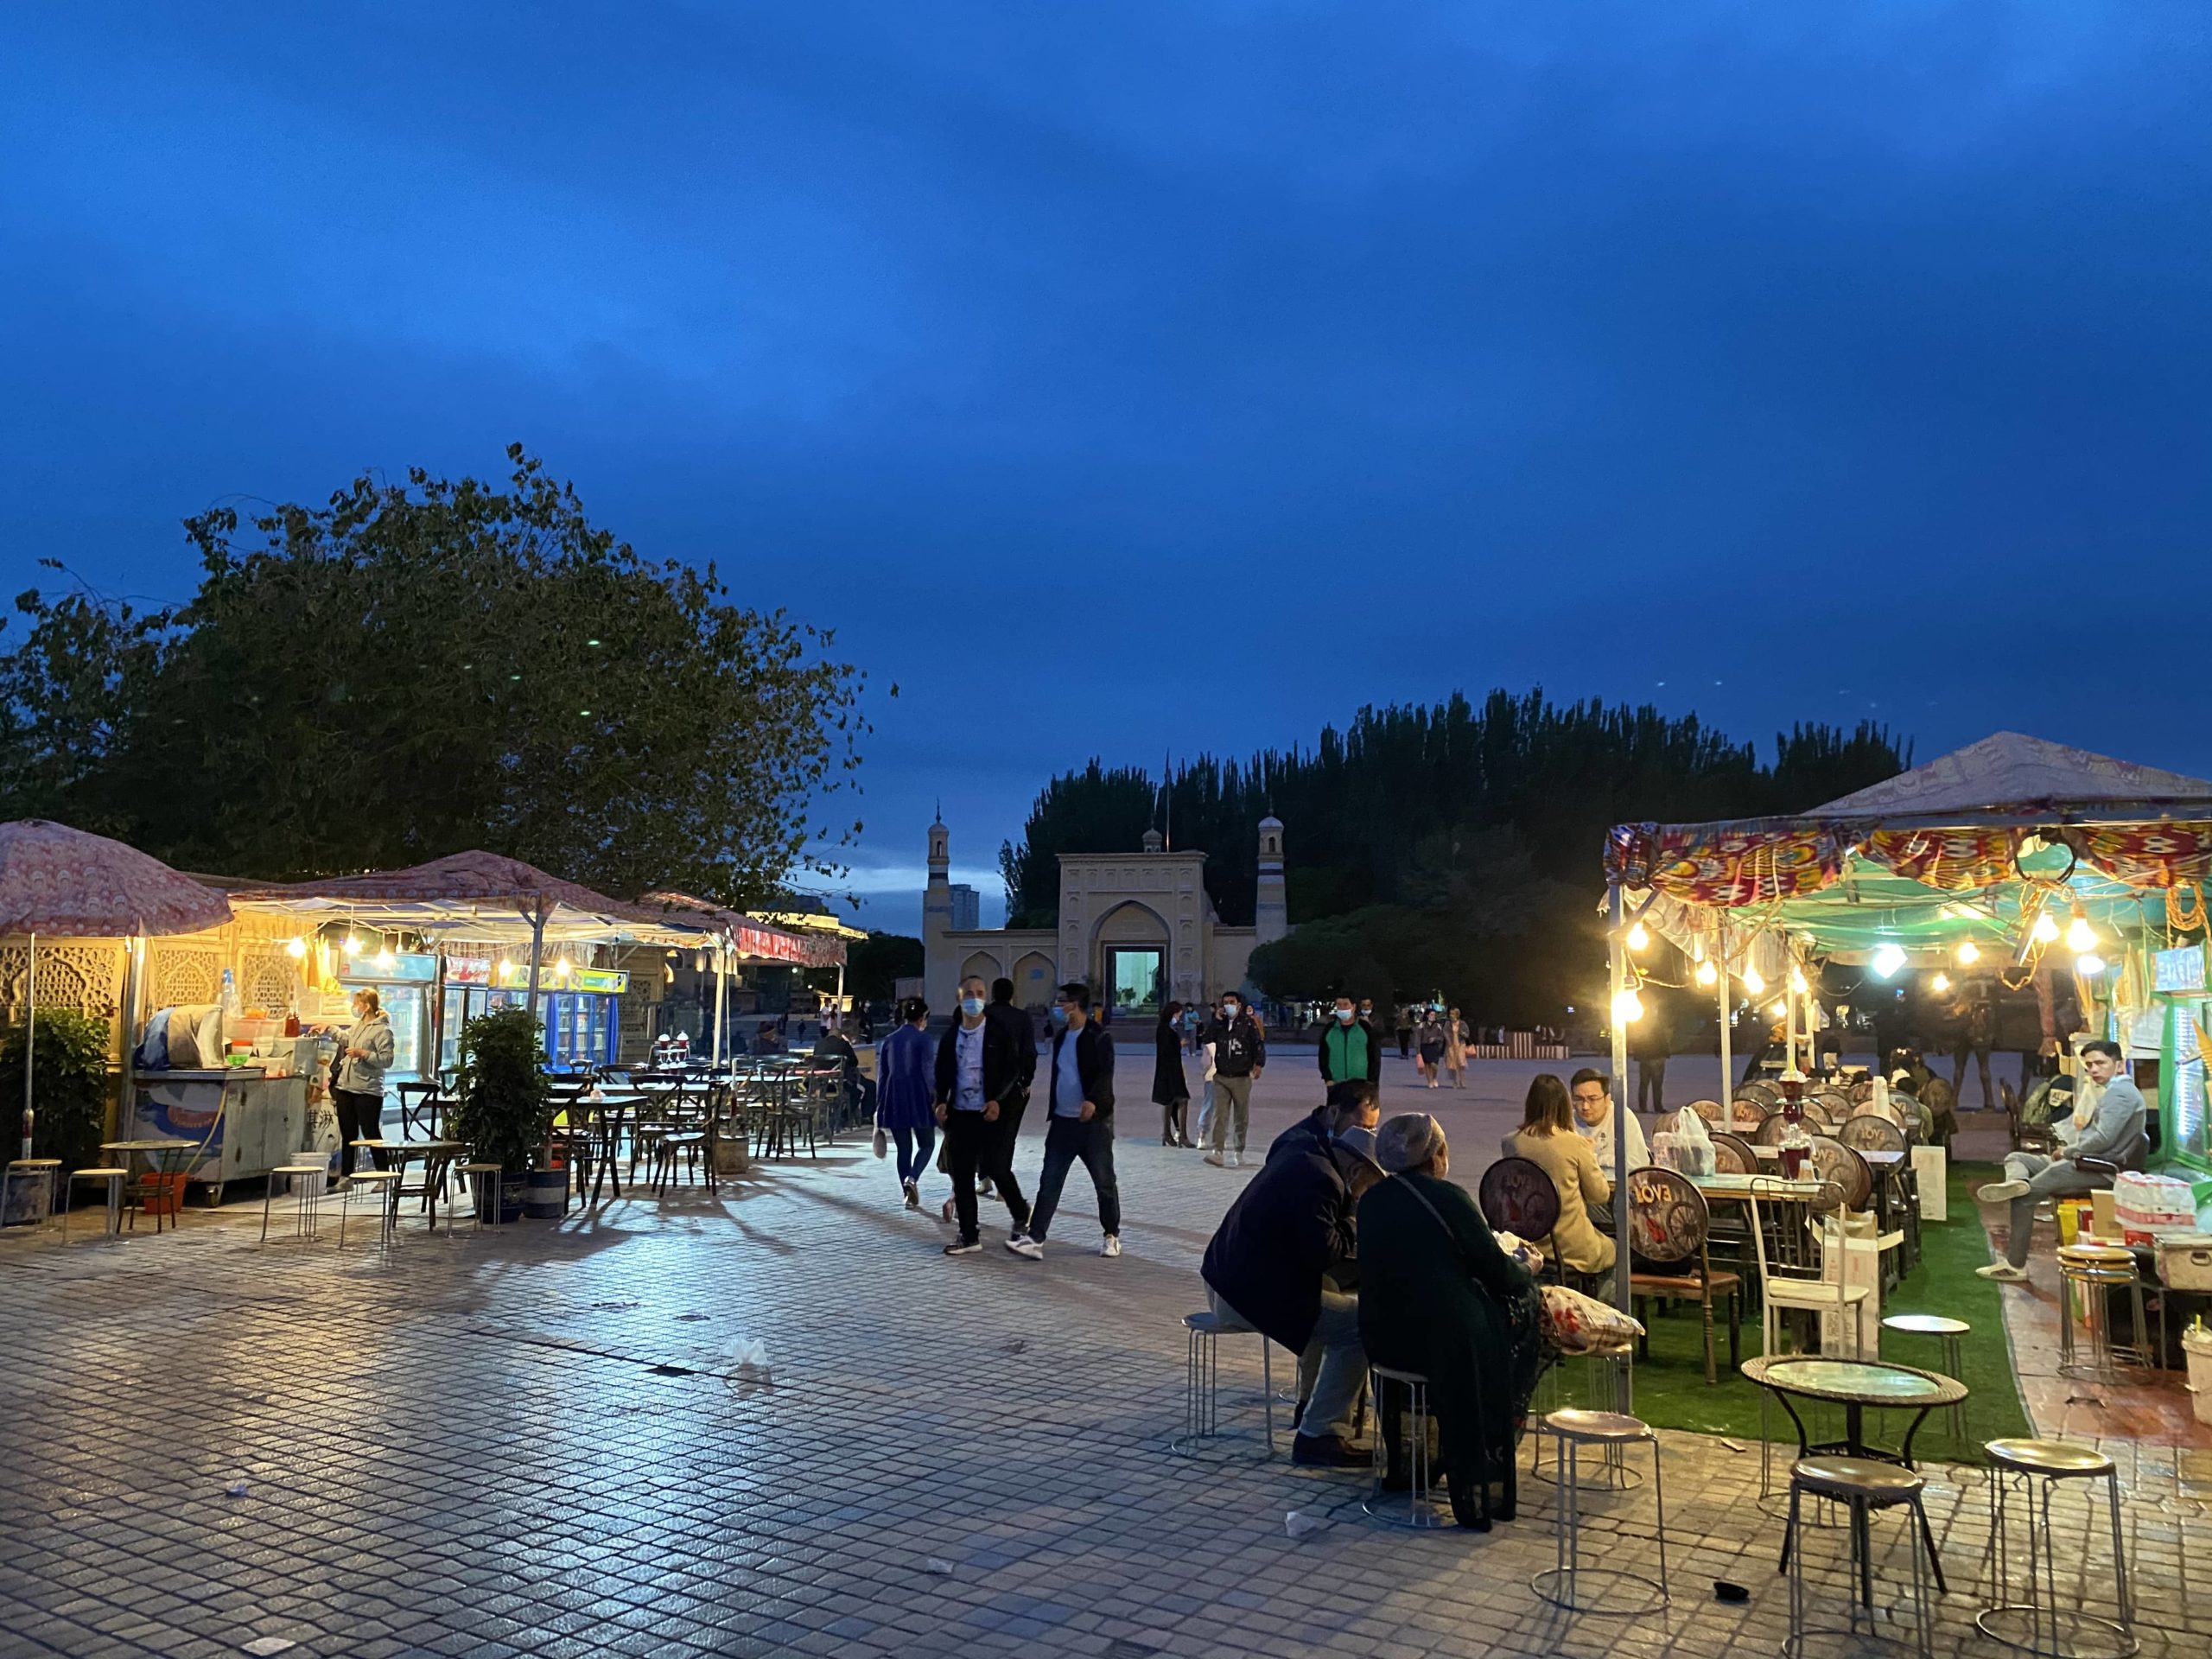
(1421, 1497)
(384, 1183)
(1562, 1584)
(1202, 1378)
(307, 1192)
(114, 1179)
(482, 1176)
(1950, 1334)
(1864, 1485)
(2053, 1628)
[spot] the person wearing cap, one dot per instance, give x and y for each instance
(1438, 1296)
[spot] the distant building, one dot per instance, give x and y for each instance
(1137, 927)
(967, 908)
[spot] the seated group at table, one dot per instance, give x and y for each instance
(1348, 1260)
(2107, 1126)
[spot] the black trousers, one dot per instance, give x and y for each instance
(1651, 1084)
(1067, 1140)
(361, 1117)
(973, 1147)
(1172, 1131)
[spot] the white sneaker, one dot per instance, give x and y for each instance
(1214, 1159)
(1112, 1246)
(1022, 1245)
(1237, 1160)
(2001, 1192)
(2003, 1273)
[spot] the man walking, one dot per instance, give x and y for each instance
(1351, 1051)
(998, 1164)
(2108, 1124)
(1080, 1125)
(1240, 1054)
(980, 1069)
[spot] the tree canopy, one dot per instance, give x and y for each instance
(417, 669)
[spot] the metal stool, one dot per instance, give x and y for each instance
(35, 1169)
(482, 1176)
(1948, 1334)
(1561, 1584)
(114, 1179)
(384, 1183)
(1421, 1497)
(1865, 1485)
(308, 1181)
(2098, 1270)
(1613, 1369)
(2053, 1629)
(1201, 1376)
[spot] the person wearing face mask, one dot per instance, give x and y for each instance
(1017, 1029)
(1239, 1054)
(1429, 1039)
(365, 1053)
(1351, 1051)
(980, 1068)
(1347, 1116)
(1081, 1127)
(1171, 1091)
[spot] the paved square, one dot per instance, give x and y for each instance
(548, 1441)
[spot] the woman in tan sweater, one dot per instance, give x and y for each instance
(1546, 1139)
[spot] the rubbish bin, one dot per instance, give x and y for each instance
(2196, 1344)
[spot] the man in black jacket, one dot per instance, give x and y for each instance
(981, 1067)
(1240, 1054)
(1284, 1263)
(1080, 1095)
(998, 1167)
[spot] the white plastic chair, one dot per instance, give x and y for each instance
(1793, 1290)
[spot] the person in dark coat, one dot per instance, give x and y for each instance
(1285, 1262)
(1438, 1296)
(1350, 1049)
(1171, 1091)
(1358, 1106)
(905, 1095)
(982, 1066)
(1014, 1026)
(1078, 1124)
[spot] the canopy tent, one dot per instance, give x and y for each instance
(65, 883)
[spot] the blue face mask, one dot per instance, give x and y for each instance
(971, 1006)
(1344, 1016)
(1059, 1014)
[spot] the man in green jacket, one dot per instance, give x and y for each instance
(1351, 1051)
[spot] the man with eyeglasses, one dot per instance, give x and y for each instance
(1080, 1128)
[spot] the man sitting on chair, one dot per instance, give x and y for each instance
(2106, 1124)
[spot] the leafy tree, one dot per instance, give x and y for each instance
(417, 669)
(875, 964)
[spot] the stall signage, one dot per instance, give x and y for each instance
(412, 968)
(607, 981)
(2179, 969)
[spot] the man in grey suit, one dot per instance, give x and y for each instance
(2106, 1125)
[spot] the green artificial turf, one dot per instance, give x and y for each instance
(1671, 1391)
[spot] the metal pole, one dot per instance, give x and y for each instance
(536, 959)
(31, 1035)
(1617, 962)
(1727, 1060)
(722, 979)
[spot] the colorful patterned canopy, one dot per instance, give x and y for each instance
(64, 883)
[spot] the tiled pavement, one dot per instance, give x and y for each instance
(464, 1447)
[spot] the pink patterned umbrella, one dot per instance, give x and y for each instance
(57, 880)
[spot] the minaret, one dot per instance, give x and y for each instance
(1270, 911)
(940, 968)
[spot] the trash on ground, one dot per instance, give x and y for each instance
(1733, 1446)
(268, 1645)
(1297, 1523)
(942, 1568)
(236, 1489)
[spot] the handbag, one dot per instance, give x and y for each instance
(882, 1141)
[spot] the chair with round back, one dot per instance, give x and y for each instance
(1760, 1090)
(1517, 1197)
(1867, 1133)
(1734, 1155)
(1833, 1161)
(1835, 1104)
(1861, 1092)
(1769, 1132)
(1745, 1114)
(1710, 1112)
(1668, 1227)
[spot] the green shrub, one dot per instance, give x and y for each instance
(502, 1103)
(69, 1087)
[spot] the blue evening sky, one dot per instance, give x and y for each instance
(1121, 378)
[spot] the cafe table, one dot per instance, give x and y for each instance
(1855, 1384)
(158, 1154)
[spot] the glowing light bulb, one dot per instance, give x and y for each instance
(1707, 974)
(295, 948)
(506, 968)
(561, 969)
(353, 946)
(384, 958)
(1780, 1010)
(2089, 967)
(1639, 937)
(1628, 1006)
(1796, 981)
(2046, 929)
(1940, 983)
(1969, 953)
(1753, 985)
(2079, 936)
(1888, 958)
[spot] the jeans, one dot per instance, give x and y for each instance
(1332, 1371)
(1232, 1096)
(1651, 1085)
(361, 1117)
(914, 1149)
(1067, 1138)
(2047, 1178)
(971, 1144)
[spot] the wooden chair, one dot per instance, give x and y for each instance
(1668, 1229)
(1734, 1155)
(1745, 1114)
(1710, 1112)
(1867, 1133)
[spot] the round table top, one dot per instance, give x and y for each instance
(145, 1145)
(1854, 1382)
(1927, 1324)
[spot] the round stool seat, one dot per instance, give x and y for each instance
(1597, 1428)
(1926, 1324)
(2056, 1459)
(2100, 1256)
(301, 1169)
(1856, 1480)
(374, 1175)
(34, 1163)
(1410, 1378)
(102, 1174)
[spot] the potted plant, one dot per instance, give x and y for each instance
(69, 1087)
(503, 1105)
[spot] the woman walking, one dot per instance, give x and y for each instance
(906, 1088)
(1455, 1048)
(1169, 1090)
(1429, 1041)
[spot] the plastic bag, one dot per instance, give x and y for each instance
(1575, 1323)
(1693, 1144)
(1521, 1250)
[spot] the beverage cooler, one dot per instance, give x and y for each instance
(581, 1008)
(403, 984)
